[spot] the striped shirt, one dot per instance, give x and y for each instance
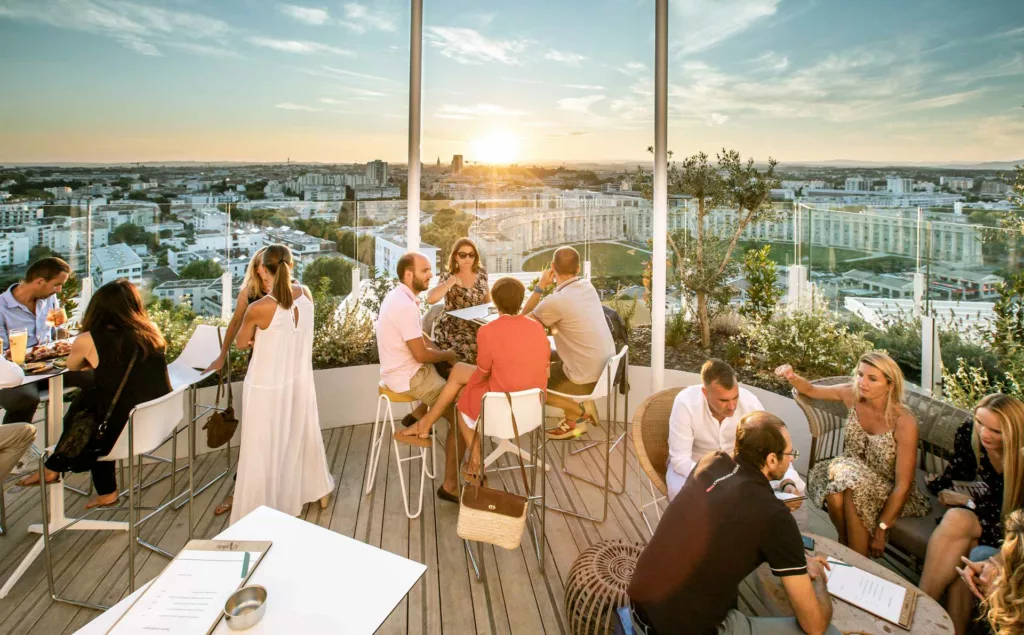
(724, 523)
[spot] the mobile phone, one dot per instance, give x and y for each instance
(808, 543)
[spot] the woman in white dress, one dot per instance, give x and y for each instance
(282, 463)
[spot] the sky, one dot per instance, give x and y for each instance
(526, 81)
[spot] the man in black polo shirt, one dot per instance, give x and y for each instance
(722, 525)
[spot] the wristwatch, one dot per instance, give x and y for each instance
(537, 289)
(970, 504)
(883, 526)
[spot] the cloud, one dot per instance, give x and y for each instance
(572, 59)
(305, 15)
(362, 92)
(706, 23)
(770, 61)
(452, 111)
(580, 104)
(298, 46)
(291, 106)
(717, 119)
(332, 101)
(518, 80)
(205, 49)
(578, 133)
(467, 46)
(585, 86)
(360, 19)
(341, 71)
(633, 69)
(138, 27)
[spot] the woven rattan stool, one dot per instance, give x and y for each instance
(597, 586)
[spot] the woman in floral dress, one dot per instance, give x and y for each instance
(872, 483)
(462, 286)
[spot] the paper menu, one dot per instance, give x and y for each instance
(189, 595)
(867, 591)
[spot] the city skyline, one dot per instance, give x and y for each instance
(114, 81)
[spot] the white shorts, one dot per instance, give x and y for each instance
(470, 423)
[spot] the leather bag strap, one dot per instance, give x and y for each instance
(515, 430)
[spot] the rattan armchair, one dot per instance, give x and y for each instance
(937, 423)
(650, 441)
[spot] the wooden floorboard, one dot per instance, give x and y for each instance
(516, 596)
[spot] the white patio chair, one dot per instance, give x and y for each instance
(386, 416)
(496, 423)
(149, 426)
(605, 387)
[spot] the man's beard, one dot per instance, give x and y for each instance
(419, 286)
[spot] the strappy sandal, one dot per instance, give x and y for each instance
(224, 507)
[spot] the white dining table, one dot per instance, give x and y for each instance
(54, 425)
(317, 581)
(480, 314)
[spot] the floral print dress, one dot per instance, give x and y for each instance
(454, 334)
(867, 467)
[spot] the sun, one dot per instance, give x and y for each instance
(496, 146)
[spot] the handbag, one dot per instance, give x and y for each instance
(221, 425)
(81, 441)
(491, 515)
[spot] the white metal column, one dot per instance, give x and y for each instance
(659, 276)
(415, 77)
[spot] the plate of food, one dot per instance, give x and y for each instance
(38, 367)
(48, 351)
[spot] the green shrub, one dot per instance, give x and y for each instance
(965, 385)
(763, 295)
(343, 336)
(678, 331)
(813, 341)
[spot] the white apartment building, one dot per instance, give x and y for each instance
(191, 291)
(858, 184)
(20, 213)
(958, 183)
(248, 240)
(298, 241)
(371, 192)
(138, 213)
(377, 172)
(14, 249)
(899, 185)
(147, 185)
(59, 191)
(332, 194)
(210, 219)
(116, 261)
(390, 248)
(210, 239)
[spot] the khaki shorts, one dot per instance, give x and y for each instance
(426, 385)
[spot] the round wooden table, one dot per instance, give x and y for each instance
(929, 616)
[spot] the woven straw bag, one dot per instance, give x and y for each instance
(490, 515)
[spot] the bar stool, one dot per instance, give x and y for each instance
(387, 397)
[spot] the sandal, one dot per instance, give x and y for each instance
(224, 507)
(445, 495)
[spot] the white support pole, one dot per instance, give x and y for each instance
(931, 357)
(415, 77)
(919, 283)
(659, 277)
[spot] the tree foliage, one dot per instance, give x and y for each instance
(201, 270)
(132, 234)
(336, 271)
(445, 228)
(762, 276)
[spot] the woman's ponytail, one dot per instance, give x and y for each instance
(277, 260)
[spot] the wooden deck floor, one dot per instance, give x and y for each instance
(516, 596)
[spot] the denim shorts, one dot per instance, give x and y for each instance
(982, 552)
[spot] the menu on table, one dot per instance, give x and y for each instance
(188, 596)
(867, 591)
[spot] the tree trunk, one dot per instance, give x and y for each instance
(702, 318)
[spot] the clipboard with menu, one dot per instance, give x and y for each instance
(189, 594)
(868, 592)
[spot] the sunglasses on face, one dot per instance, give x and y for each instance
(466, 254)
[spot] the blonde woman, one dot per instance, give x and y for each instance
(1003, 606)
(251, 291)
(986, 450)
(282, 463)
(463, 285)
(872, 483)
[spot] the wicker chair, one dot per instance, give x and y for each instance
(650, 441)
(937, 425)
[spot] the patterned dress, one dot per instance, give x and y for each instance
(867, 467)
(964, 466)
(452, 333)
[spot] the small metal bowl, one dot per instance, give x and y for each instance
(245, 607)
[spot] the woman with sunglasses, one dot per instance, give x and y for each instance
(463, 285)
(871, 484)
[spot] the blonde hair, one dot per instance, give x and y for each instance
(277, 260)
(251, 283)
(1004, 606)
(892, 373)
(1011, 414)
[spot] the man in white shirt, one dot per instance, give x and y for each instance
(704, 419)
(407, 361)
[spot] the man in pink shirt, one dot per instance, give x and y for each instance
(407, 361)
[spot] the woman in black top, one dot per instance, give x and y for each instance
(115, 328)
(987, 450)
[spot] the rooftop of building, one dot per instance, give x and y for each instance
(115, 256)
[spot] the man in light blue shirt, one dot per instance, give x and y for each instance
(25, 306)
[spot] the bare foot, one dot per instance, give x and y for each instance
(324, 501)
(415, 431)
(33, 478)
(104, 500)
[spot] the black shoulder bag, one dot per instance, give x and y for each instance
(81, 442)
